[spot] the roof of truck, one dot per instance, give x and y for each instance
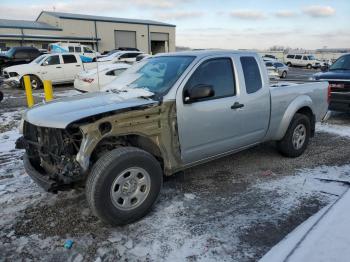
(208, 52)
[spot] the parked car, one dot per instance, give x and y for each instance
(164, 114)
(92, 80)
(338, 76)
(267, 57)
(122, 56)
(304, 60)
(18, 55)
(282, 69)
(86, 53)
(59, 68)
(271, 70)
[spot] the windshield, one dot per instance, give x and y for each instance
(156, 74)
(38, 59)
(10, 52)
(311, 57)
(342, 62)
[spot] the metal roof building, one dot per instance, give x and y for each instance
(100, 32)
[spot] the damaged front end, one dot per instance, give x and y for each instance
(50, 157)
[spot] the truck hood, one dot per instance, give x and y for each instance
(62, 112)
(336, 74)
(21, 69)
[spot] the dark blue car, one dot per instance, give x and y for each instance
(338, 77)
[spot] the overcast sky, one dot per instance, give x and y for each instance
(230, 24)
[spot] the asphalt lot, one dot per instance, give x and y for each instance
(232, 209)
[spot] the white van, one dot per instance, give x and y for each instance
(86, 53)
(305, 60)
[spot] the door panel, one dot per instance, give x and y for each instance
(52, 69)
(207, 128)
(71, 67)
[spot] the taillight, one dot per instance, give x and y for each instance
(329, 94)
(88, 80)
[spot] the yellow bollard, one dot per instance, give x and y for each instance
(28, 88)
(48, 90)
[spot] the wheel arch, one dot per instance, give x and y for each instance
(301, 105)
(136, 140)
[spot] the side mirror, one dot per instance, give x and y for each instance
(198, 92)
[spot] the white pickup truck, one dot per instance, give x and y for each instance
(59, 68)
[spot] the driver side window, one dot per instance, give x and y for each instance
(217, 73)
(52, 60)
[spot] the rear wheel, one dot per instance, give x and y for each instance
(296, 138)
(123, 185)
(289, 64)
(284, 74)
(309, 66)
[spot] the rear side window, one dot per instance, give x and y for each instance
(69, 59)
(71, 49)
(22, 54)
(268, 64)
(251, 73)
(290, 56)
(298, 57)
(215, 72)
(77, 49)
(133, 55)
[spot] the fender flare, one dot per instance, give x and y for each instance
(293, 107)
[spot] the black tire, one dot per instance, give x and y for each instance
(286, 146)
(107, 170)
(35, 82)
(289, 64)
(284, 74)
(1, 96)
(309, 66)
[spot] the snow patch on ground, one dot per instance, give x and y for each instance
(339, 130)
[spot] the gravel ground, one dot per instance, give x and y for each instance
(232, 209)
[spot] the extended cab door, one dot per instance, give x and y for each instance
(72, 66)
(255, 93)
(51, 69)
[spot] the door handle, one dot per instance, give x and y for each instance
(58, 67)
(237, 105)
(77, 65)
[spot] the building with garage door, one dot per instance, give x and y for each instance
(99, 32)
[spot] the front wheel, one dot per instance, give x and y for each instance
(309, 66)
(34, 81)
(284, 74)
(123, 185)
(296, 139)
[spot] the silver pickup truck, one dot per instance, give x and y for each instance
(161, 116)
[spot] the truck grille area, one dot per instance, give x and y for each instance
(53, 151)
